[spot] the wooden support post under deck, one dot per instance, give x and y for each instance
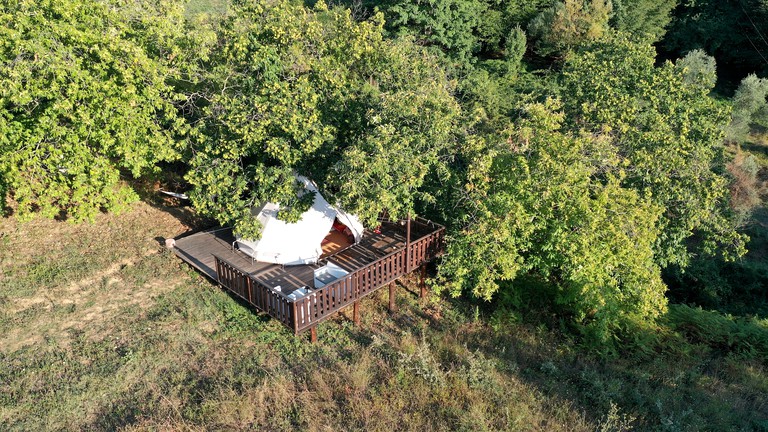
(313, 334)
(422, 281)
(356, 313)
(391, 296)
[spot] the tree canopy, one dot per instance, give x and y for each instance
(544, 202)
(670, 132)
(734, 32)
(644, 18)
(292, 91)
(83, 95)
(568, 24)
(646, 136)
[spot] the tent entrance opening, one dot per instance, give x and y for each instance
(339, 238)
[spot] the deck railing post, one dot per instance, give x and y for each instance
(295, 318)
(249, 284)
(313, 334)
(218, 268)
(356, 312)
(392, 296)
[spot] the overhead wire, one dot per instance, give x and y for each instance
(757, 30)
(756, 49)
(753, 23)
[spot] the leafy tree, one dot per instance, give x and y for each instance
(501, 25)
(464, 30)
(537, 203)
(568, 24)
(294, 91)
(746, 187)
(453, 26)
(515, 45)
(83, 95)
(699, 69)
(509, 60)
(670, 134)
(644, 18)
(749, 106)
(521, 12)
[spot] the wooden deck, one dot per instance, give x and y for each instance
(288, 293)
(199, 249)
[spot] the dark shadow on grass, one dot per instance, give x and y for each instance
(737, 287)
(170, 179)
(669, 387)
(755, 148)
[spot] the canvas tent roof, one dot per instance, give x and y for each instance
(300, 242)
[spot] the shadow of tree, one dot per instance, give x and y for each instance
(685, 387)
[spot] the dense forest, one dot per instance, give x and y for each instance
(600, 161)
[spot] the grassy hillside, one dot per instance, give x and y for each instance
(102, 329)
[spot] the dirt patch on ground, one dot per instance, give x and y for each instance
(91, 306)
(75, 292)
(96, 265)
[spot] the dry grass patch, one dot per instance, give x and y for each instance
(61, 277)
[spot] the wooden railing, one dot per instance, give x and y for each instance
(308, 311)
(247, 288)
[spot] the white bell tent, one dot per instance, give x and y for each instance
(300, 242)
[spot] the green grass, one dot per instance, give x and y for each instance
(211, 7)
(150, 345)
